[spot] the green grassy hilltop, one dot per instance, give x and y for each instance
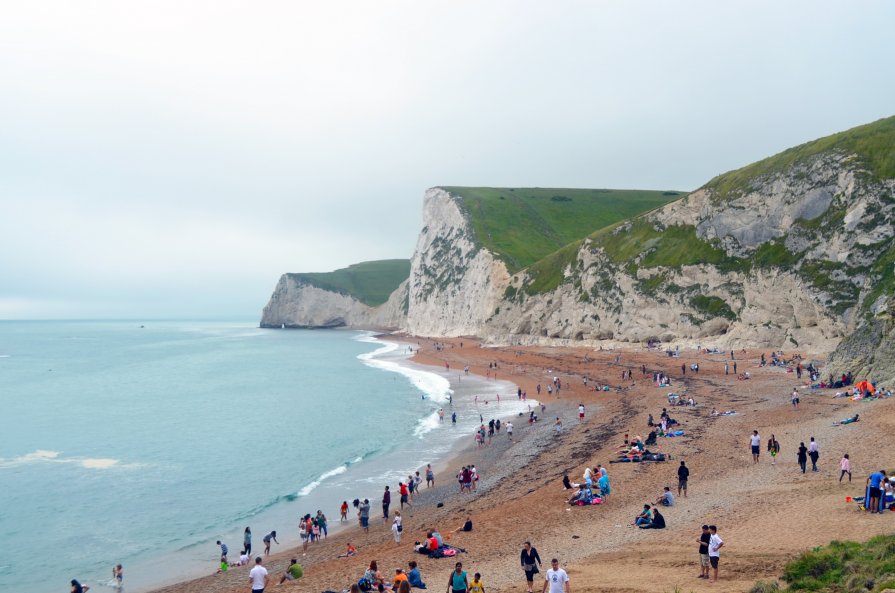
(871, 143)
(369, 282)
(524, 225)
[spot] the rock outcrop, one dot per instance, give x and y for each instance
(455, 284)
(298, 304)
(792, 253)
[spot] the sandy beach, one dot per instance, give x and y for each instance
(766, 514)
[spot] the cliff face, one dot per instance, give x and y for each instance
(795, 253)
(454, 283)
(298, 304)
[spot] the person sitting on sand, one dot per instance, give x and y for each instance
(666, 499)
(645, 516)
(399, 576)
(414, 578)
(350, 551)
(293, 573)
(584, 495)
(467, 526)
(657, 522)
(566, 483)
(372, 575)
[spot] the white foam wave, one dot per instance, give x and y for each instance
(434, 387)
(333, 472)
(45, 456)
(4, 355)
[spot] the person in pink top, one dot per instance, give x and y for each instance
(845, 467)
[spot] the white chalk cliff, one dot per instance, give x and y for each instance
(801, 259)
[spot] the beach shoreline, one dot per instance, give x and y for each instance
(521, 496)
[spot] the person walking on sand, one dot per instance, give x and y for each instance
(581, 412)
(813, 453)
(703, 542)
(557, 579)
(773, 449)
(845, 468)
(530, 561)
(510, 430)
(802, 456)
(755, 442)
(258, 577)
(458, 581)
(386, 501)
(430, 476)
(683, 474)
(558, 425)
(715, 543)
(794, 398)
(247, 541)
(405, 493)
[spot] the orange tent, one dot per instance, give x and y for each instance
(865, 386)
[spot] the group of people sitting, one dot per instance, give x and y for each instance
(373, 579)
(649, 518)
(679, 400)
(634, 451)
(585, 494)
(434, 546)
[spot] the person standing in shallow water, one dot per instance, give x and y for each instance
(247, 541)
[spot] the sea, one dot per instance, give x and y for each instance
(143, 443)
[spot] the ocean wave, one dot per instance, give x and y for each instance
(435, 387)
(45, 456)
(333, 472)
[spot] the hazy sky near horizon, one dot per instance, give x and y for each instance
(172, 159)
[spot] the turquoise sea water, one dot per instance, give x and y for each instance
(145, 445)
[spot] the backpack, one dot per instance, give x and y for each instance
(365, 585)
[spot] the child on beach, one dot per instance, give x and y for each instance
(343, 512)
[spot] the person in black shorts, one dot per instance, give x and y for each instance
(683, 474)
(703, 542)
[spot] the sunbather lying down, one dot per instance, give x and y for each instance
(846, 420)
(727, 413)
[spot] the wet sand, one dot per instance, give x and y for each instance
(765, 513)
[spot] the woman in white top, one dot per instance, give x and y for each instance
(397, 528)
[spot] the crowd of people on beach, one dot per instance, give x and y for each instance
(594, 489)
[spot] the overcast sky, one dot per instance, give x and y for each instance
(172, 159)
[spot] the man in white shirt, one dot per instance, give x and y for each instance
(557, 579)
(715, 543)
(755, 441)
(258, 577)
(813, 453)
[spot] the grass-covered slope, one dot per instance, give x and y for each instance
(841, 567)
(873, 143)
(524, 225)
(369, 282)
